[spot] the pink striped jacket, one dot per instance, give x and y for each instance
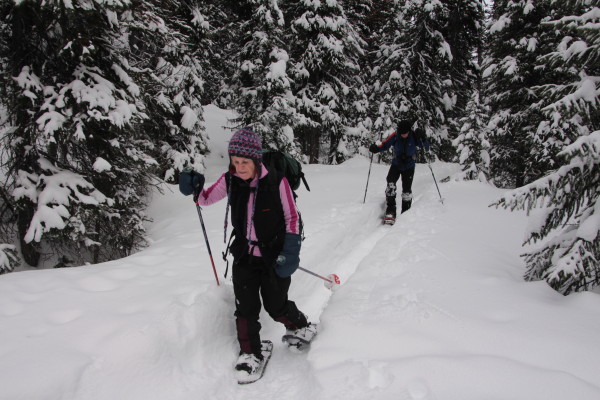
(218, 191)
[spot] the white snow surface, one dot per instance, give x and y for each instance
(433, 307)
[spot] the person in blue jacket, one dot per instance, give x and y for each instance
(405, 142)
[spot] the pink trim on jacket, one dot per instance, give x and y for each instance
(218, 191)
(214, 193)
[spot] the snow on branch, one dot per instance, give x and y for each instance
(568, 204)
(584, 155)
(55, 193)
(581, 92)
(8, 257)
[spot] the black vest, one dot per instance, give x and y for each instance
(268, 221)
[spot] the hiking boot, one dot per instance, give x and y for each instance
(390, 211)
(305, 334)
(248, 362)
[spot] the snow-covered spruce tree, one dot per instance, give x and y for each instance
(77, 157)
(472, 144)
(214, 43)
(8, 255)
(9, 258)
(360, 14)
(260, 85)
(369, 17)
(159, 36)
(566, 219)
(409, 83)
(382, 100)
(463, 30)
(325, 63)
(566, 69)
(517, 42)
(571, 97)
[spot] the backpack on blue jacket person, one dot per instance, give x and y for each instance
(405, 142)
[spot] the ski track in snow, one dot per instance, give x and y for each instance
(348, 235)
(341, 242)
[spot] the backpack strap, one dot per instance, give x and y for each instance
(272, 172)
(304, 181)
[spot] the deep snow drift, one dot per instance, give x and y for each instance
(431, 308)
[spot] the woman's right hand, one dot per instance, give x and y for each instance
(190, 182)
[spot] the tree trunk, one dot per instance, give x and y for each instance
(334, 141)
(309, 140)
(29, 251)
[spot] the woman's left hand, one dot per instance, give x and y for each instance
(288, 260)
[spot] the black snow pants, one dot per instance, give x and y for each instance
(407, 179)
(252, 279)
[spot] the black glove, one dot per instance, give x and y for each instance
(288, 260)
(374, 148)
(190, 182)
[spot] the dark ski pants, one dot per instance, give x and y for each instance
(407, 179)
(252, 279)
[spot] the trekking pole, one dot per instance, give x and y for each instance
(432, 174)
(330, 282)
(368, 176)
(205, 236)
(371, 163)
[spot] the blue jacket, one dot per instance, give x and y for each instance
(405, 150)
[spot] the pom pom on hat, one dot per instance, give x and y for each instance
(247, 144)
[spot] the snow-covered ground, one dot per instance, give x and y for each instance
(433, 307)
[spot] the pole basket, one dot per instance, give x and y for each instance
(333, 282)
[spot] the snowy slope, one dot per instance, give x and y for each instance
(431, 308)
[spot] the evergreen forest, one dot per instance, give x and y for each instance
(101, 101)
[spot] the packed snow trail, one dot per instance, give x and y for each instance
(340, 233)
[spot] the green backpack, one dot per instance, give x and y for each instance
(285, 164)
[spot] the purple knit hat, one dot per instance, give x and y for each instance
(247, 144)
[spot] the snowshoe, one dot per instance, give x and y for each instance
(300, 339)
(389, 219)
(250, 368)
